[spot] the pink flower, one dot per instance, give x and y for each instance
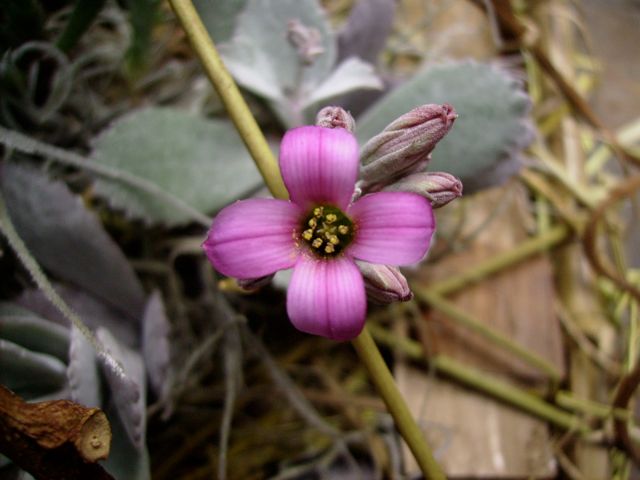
(319, 233)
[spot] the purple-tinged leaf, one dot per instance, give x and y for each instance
(69, 240)
(82, 371)
(94, 313)
(155, 343)
(33, 332)
(124, 371)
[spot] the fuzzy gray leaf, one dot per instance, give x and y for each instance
(82, 371)
(29, 330)
(260, 56)
(29, 373)
(155, 343)
(94, 313)
(491, 130)
(219, 17)
(352, 74)
(69, 240)
(202, 162)
(367, 28)
(125, 461)
(124, 371)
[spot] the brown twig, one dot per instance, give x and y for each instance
(513, 28)
(53, 440)
(630, 382)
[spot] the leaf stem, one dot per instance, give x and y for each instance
(266, 163)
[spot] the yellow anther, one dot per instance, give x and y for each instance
(329, 248)
(334, 240)
(343, 229)
(317, 243)
(328, 235)
(317, 212)
(307, 234)
(313, 222)
(331, 217)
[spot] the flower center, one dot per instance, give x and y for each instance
(327, 230)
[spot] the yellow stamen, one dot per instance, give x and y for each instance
(331, 217)
(343, 229)
(307, 234)
(329, 248)
(317, 243)
(334, 240)
(313, 222)
(328, 235)
(317, 212)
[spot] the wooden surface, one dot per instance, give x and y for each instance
(475, 436)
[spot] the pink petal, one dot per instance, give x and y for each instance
(319, 165)
(253, 238)
(393, 228)
(327, 298)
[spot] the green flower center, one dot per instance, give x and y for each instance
(327, 230)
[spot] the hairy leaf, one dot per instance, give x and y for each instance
(155, 343)
(483, 146)
(202, 162)
(219, 16)
(127, 385)
(31, 331)
(29, 373)
(352, 74)
(82, 371)
(69, 240)
(261, 55)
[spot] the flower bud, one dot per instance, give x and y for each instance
(384, 284)
(405, 142)
(335, 117)
(306, 40)
(438, 187)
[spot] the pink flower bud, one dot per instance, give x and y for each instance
(384, 284)
(335, 117)
(306, 40)
(405, 142)
(438, 187)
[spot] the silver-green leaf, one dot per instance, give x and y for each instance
(483, 147)
(201, 162)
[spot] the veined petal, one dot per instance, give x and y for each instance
(253, 238)
(327, 297)
(319, 165)
(393, 228)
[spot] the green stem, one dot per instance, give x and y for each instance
(483, 382)
(230, 95)
(372, 360)
(499, 262)
(449, 309)
(266, 163)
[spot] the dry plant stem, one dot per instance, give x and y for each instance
(230, 95)
(259, 150)
(54, 440)
(483, 382)
(630, 382)
(383, 380)
(501, 261)
(438, 302)
(511, 24)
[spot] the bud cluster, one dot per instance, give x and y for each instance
(395, 160)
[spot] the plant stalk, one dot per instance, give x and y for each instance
(230, 95)
(268, 167)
